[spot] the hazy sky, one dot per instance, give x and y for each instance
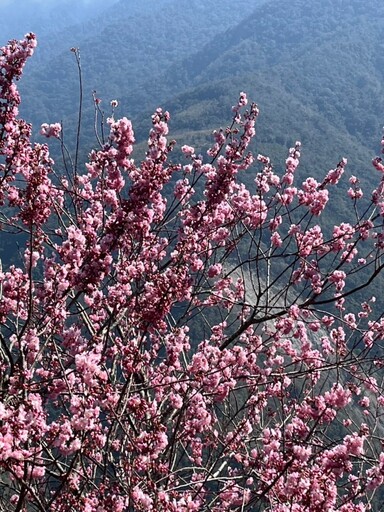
(15, 4)
(7, 3)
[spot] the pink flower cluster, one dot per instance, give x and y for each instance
(50, 130)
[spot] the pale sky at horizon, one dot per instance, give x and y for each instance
(42, 17)
(41, 2)
(50, 3)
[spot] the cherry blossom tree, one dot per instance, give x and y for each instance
(192, 350)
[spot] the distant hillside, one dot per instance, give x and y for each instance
(317, 75)
(125, 54)
(316, 69)
(327, 54)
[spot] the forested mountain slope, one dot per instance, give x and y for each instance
(316, 73)
(126, 53)
(315, 69)
(321, 65)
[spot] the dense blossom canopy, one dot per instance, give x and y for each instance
(188, 350)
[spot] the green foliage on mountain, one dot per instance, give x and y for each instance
(310, 65)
